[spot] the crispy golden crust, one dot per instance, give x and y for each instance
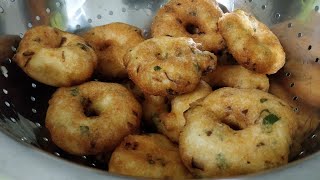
(236, 76)
(54, 57)
(251, 42)
(308, 117)
(150, 156)
(196, 19)
(165, 66)
(111, 42)
(171, 123)
(92, 118)
(236, 131)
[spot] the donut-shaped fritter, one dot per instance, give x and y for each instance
(237, 76)
(251, 42)
(171, 123)
(197, 19)
(92, 118)
(54, 57)
(111, 42)
(150, 156)
(165, 66)
(236, 131)
(308, 117)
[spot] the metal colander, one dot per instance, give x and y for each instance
(23, 101)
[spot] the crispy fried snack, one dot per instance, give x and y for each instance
(236, 131)
(196, 19)
(92, 118)
(54, 57)
(150, 156)
(251, 42)
(111, 42)
(165, 66)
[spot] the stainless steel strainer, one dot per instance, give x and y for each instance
(23, 101)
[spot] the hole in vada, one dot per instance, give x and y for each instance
(88, 110)
(192, 29)
(233, 125)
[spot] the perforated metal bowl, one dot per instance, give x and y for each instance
(26, 151)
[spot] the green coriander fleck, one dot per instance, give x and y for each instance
(74, 91)
(157, 68)
(262, 100)
(221, 161)
(270, 119)
(84, 130)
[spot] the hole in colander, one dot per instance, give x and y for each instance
(277, 15)
(110, 13)
(5, 91)
(296, 109)
(4, 71)
(34, 110)
(38, 18)
(78, 26)
(309, 47)
(316, 8)
(292, 84)
(295, 98)
(123, 9)
(299, 34)
(21, 35)
(38, 124)
(7, 103)
(33, 85)
(148, 12)
(48, 10)
(29, 25)
(45, 139)
(99, 16)
(89, 20)
(58, 4)
(263, 7)
(13, 119)
(14, 49)
(1, 10)
(32, 98)
(24, 139)
(289, 25)
(288, 74)
(250, 0)
(317, 60)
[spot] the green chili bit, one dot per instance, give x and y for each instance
(84, 130)
(157, 68)
(263, 100)
(270, 119)
(74, 91)
(221, 161)
(196, 65)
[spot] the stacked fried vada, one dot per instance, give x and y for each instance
(207, 119)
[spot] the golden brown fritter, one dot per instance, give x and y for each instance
(196, 19)
(111, 42)
(54, 57)
(236, 131)
(92, 118)
(308, 117)
(171, 123)
(165, 66)
(150, 156)
(237, 76)
(251, 42)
